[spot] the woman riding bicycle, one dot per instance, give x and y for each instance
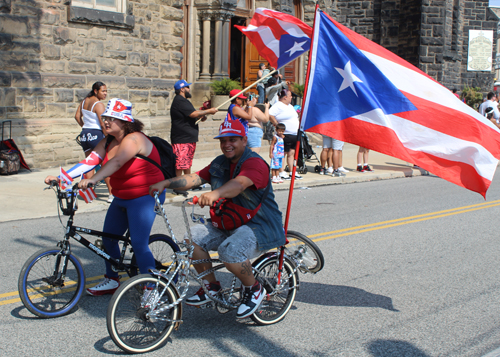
(132, 208)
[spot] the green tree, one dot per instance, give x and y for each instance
(473, 96)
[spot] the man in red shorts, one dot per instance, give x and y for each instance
(184, 130)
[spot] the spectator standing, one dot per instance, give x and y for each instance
(88, 116)
(326, 157)
(284, 112)
(454, 90)
(277, 152)
(332, 153)
(236, 110)
(488, 113)
(184, 130)
(363, 160)
(255, 125)
(275, 85)
(262, 72)
(490, 102)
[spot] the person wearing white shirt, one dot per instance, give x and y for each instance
(490, 102)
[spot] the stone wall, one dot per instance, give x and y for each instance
(52, 53)
(477, 16)
(430, 34)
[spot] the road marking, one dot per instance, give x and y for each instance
(342, 233)
(495, 353)
(401, 221)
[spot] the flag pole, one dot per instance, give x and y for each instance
(297, 146)
(244, 90)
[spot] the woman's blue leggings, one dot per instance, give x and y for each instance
(138, 216)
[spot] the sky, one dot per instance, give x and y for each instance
(494, 3)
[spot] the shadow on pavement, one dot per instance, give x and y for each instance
(394, 348)
(339, 295)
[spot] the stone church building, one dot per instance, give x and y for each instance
(51, 52)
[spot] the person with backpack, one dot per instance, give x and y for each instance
(131, 176)
(184, 130)
(242, 177)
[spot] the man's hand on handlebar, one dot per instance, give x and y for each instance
(208, 198)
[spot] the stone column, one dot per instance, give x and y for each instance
(225, 45)
(205, 48)
(218, 47)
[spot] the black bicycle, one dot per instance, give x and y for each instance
(52, 281)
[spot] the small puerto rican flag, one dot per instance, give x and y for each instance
(65, 180)
(88, 194)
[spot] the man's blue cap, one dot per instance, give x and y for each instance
(181, 84)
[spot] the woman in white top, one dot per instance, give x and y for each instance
(88, 116)
(283, 112)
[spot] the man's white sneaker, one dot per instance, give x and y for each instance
(252, 297)
(200, 298)
(284, 174)
(329, 170)
(342, 169)
(107, 286)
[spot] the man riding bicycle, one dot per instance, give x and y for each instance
(242, 176)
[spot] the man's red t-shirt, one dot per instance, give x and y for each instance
(254, 168)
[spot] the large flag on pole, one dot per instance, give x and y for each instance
(278, 37)
(361, 93)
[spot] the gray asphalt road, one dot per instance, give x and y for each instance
(411, 270)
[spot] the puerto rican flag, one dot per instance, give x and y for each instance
(88, 194)
(361, 93)
(279, 37)
(65, 180)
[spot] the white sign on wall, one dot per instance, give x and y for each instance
(480, 50)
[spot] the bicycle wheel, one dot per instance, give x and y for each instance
(280, 297)
(43, 287)
(128, 324)
(307, 254)
(163, 249)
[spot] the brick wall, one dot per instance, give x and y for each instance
(52, 53)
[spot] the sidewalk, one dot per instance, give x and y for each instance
(22, 195)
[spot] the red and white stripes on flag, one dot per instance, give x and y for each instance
(441, 134)
(88, 195)
(278, 37)
(65, 180)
